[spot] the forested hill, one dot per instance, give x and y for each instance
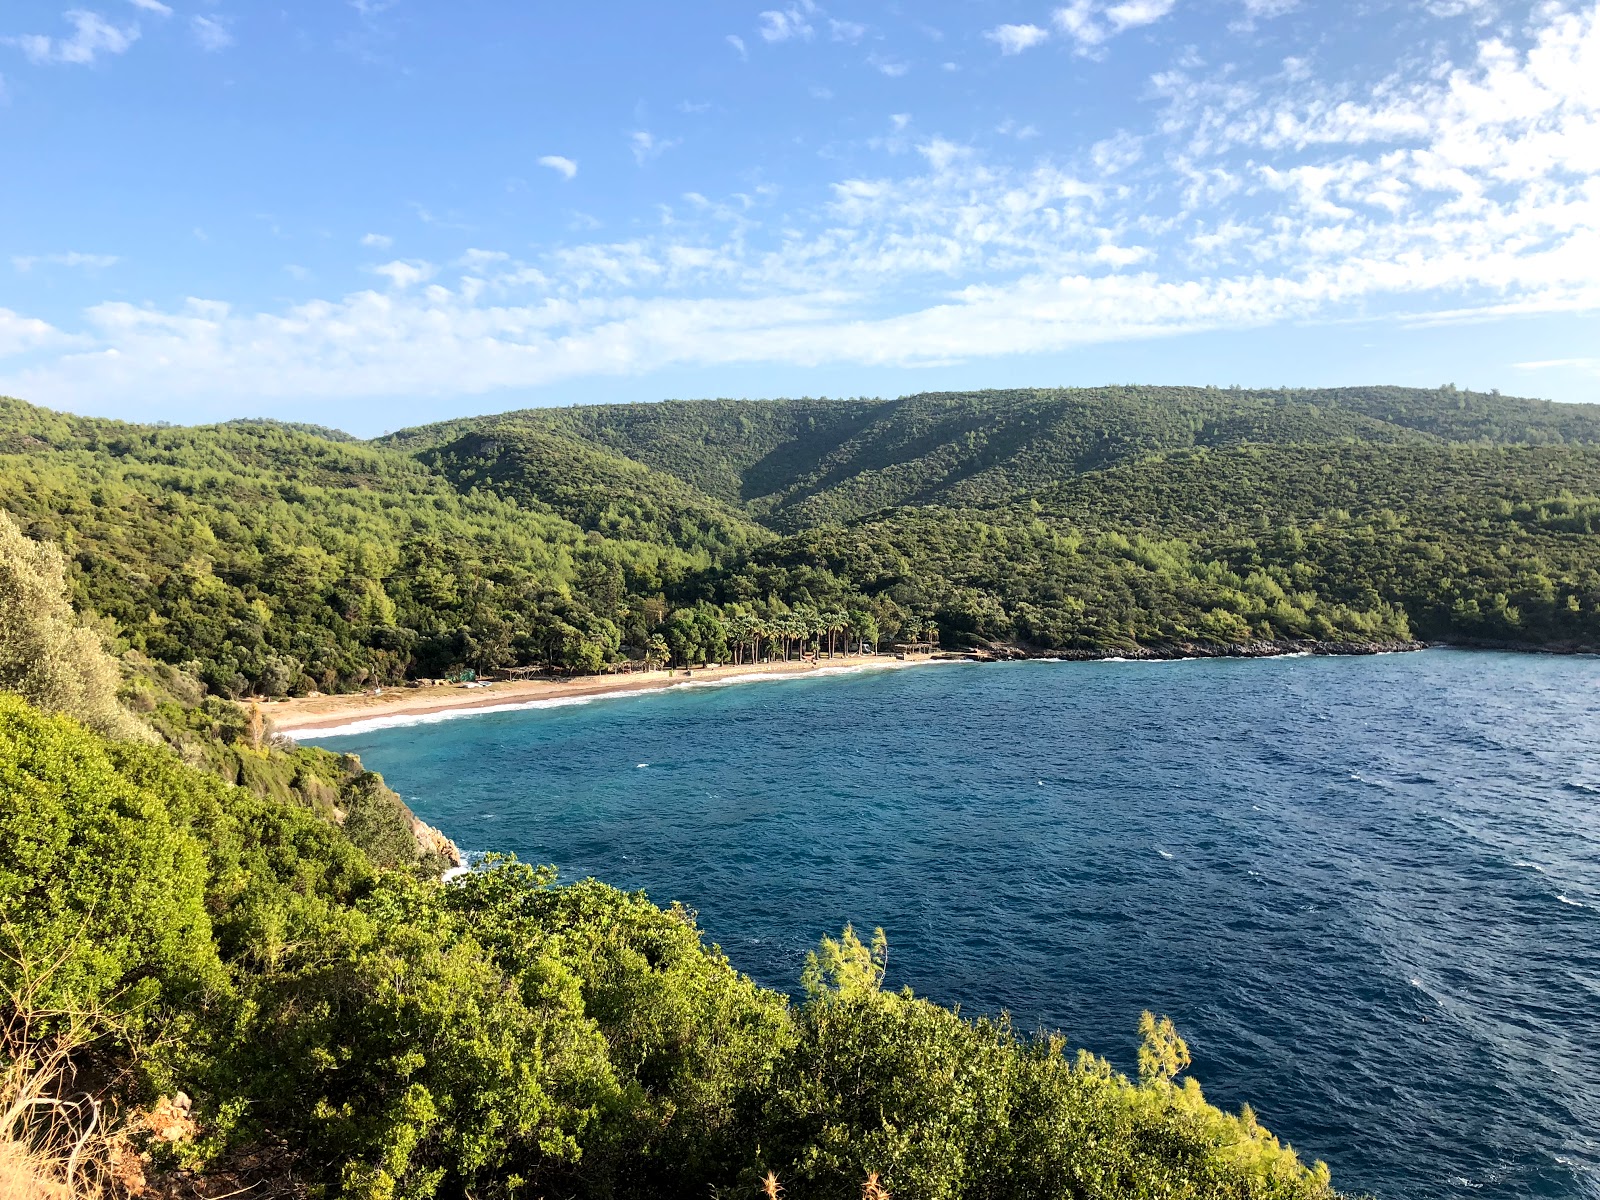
(797, 463)
(270, 558)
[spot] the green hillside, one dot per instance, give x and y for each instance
(269, 559)
(798, 463)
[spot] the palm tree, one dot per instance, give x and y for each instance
(657, 652)
(837, 620)
(740, 630)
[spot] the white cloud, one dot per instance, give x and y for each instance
(478, 261)
(152, 6)
(92, 262)
(1091, 23)
(92, 36)
(846, 31)
(1133, 13)
(645, 145)
(794, 21)
(1267, 10)
(894, 68)
(1014, 39)
(19, 334)
(1117, 152)
(737, 42)
(1590, 365)
(210, 33)
(377, 241)
(402, 275)
(561, 165)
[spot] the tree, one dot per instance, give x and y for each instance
(1162, 1053)
(47, 655)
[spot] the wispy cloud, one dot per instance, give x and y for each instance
(92, 35)
(560, 164)
(92, 262)
(784, 24)
(210, 33)
(894, 68)
(1090, 23)
(737, 42)
(152, 6)
(1014, 39)
(377, 241)
(645, 145)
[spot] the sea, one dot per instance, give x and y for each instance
(1366, 889)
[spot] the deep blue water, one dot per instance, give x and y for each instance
(1367, 890)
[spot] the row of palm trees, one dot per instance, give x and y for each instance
(785, 634)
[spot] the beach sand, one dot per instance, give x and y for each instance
(321, 714)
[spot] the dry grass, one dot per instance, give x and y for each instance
(55, 1139)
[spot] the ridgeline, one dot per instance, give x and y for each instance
(271, 559)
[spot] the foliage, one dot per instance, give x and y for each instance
(46, 653)
(269, 559)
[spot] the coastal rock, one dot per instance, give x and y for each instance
(432, 842)
(1179, 650)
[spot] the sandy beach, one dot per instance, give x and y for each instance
(324, 714)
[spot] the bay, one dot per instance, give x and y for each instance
(1367, 889)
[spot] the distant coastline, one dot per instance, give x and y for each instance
(341, 715)
(331, 716)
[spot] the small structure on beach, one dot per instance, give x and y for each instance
(907, 649)
(518, 673)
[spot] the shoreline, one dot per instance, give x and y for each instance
(352, 713)
(342, 715)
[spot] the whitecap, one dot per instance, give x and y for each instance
(1163, 853)
(1574, 903)
(641, 766)
(1533, 866)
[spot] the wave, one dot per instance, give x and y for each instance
(1567, 900)
(402, 720)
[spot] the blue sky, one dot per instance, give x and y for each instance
(371, 213)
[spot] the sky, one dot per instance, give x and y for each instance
(373, 213)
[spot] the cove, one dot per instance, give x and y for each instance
(1367, 890)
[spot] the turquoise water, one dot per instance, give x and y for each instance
(1368, 890)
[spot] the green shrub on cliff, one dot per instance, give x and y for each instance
(386, 1037)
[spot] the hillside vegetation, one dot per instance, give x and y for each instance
(268, 559)
(228, 966)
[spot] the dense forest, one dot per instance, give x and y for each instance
(230, 966)
(271, 559)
